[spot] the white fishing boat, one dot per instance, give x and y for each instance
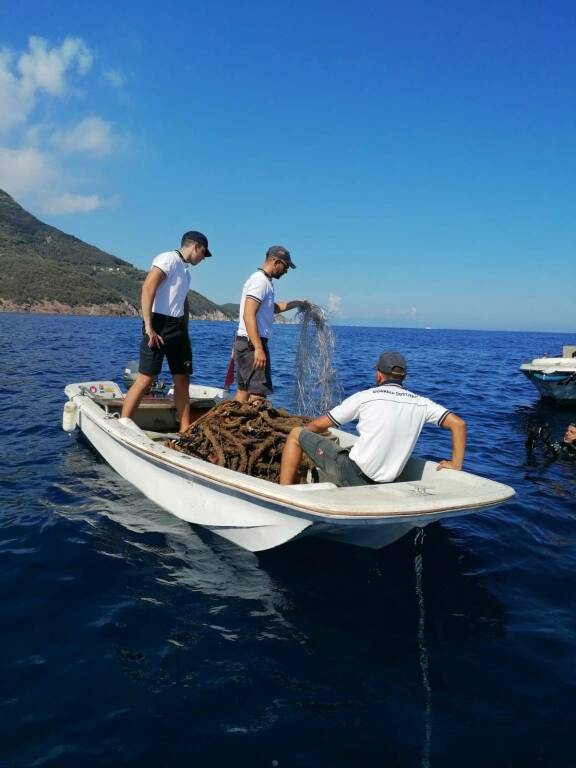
(253, 513)
(554, 377)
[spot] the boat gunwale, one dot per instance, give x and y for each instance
(133, 441)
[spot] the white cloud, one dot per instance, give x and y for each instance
(92, 135)
(41, 69)
(14, 105)
(33, 161)
(115, 78)
(45, 69)
(25, 170)
(70, 203)
(398, 312)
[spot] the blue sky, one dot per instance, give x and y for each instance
(417, 158)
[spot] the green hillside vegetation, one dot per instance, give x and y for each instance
(27, 279)
(202, 305)
(39, 263)
(231, 309)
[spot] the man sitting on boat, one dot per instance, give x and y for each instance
(390, 419)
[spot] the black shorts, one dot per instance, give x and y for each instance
(176, 347)
(256, 381)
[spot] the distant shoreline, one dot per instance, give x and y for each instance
(121, 309)
(9, 308)
(125, 310)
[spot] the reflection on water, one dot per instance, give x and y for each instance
(328, 599)
(182, 556)
(190, 557)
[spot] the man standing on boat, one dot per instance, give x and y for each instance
(165, 314)
(390, 419)
(257, 309)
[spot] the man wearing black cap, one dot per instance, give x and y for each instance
(257, 309)
(165, 313)
(390, 419)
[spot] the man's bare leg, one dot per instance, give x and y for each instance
(182, 399)
(241, 396)
(136, 393)
(291, 458)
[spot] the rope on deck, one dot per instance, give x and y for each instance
(248, 438)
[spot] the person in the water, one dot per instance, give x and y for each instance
(555, 449)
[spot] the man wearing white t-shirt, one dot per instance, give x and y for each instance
(257, 310)
(165, 315)
(390, 419)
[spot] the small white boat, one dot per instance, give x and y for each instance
(254, 513)
(554, 377)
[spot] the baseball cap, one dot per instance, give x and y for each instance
(389, 360)
(281, 253)
(197, 237)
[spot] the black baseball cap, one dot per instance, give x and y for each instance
(390, 360)
(196, 237)
(281, 253)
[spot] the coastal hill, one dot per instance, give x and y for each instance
(45, 270)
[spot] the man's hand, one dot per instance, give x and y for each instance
(448, 465)
(154, 339)
(259, 357)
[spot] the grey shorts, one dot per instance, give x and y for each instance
(256, 381)
(333, 460)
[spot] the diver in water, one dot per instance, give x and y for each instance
(554, 449)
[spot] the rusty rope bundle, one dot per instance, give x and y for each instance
(246, 437)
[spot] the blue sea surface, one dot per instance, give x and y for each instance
(130, 638)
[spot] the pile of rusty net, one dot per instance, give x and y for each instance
(246, 437)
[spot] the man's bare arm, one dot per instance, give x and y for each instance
(149, 288)
(458, 428)
(186, 311)
(251, 307)
(320, 425)
(285, 306)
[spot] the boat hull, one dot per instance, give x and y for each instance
(258, 515)
(557, 387)
(226, 513)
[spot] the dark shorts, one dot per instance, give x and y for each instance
(176, 347)
(256, 381)
(333, 460)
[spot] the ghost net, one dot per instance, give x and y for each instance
(246, 437)
(250, 437)
(317, 387)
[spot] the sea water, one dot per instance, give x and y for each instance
(130, 638)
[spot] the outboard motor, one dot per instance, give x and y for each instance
(158, 388)
(130, 373)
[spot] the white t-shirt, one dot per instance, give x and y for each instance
(172, 291)
(390, 419)
(258, 286)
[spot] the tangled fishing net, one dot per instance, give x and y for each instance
(250, 437)
(317, 386)
(247, 437)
